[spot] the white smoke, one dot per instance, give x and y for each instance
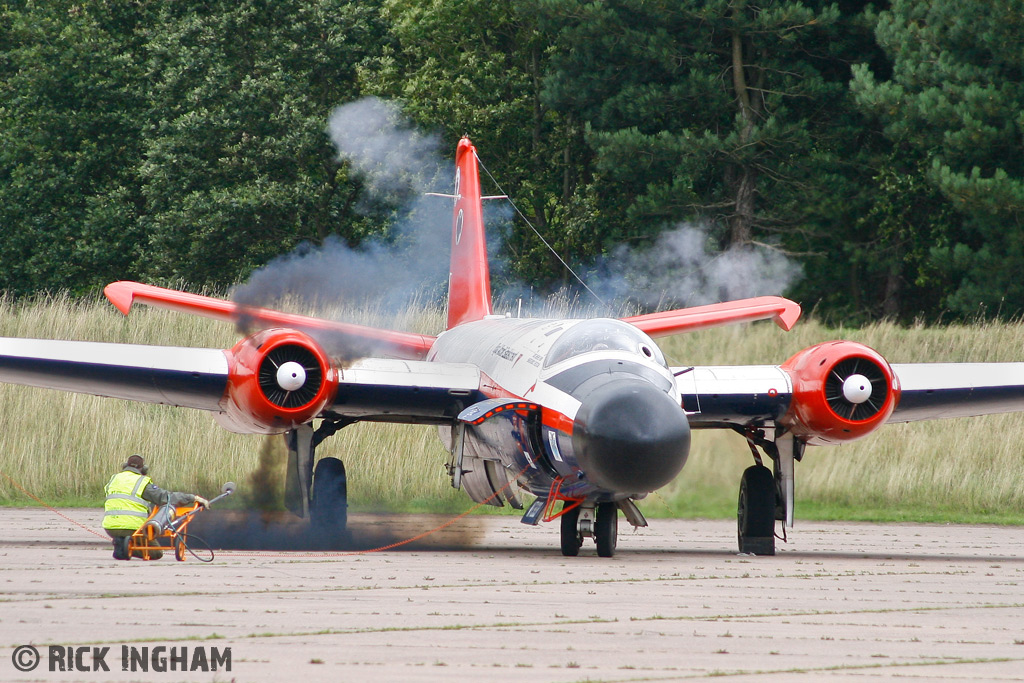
(397, 165)
(381, 146)
(684, 267)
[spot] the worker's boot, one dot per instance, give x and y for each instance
(121, 548)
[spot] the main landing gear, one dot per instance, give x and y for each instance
(766, 495)
(755, 511)
(321, 495)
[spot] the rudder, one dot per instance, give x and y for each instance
(469, 278)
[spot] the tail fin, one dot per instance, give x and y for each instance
(469, 278)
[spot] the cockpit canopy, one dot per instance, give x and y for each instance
(603, 334)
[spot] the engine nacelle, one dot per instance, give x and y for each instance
(842, 391)
(277, 379)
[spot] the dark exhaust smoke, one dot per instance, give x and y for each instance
(407, 262)
(264, 524)
(283, 531)
(265, 492)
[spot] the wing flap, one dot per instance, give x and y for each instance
(930, 391)
(782, 311)
(398, 344)
(184, 377)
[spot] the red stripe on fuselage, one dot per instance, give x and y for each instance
(549, 417)
(553, 419)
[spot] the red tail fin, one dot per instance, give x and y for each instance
(469, 278)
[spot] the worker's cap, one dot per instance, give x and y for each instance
(135, 461)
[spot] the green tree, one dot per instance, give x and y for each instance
(71, 111)
(476, 68)
(698, 109)
(239, 168)
(954, 100)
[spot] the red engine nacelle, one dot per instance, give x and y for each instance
(842, 390)
(277, 379)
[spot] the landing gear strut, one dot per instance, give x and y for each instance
(320, 495)
(767, 495)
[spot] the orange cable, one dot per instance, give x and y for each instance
(50, 508)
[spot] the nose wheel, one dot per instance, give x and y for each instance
(572, 538)
(600, 522)
(606, 529)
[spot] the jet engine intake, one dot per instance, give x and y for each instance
(842, 391)
(277, 379)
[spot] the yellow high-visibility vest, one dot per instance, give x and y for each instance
(124, 507)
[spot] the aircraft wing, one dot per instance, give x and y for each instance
(394, 390)
(931, 391)
(734, 394)
(185, 377)
(718, 396)
(372, 389)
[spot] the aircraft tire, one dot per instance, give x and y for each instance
(329, 508)
(755, 514)
(572, 539)
(606, 529)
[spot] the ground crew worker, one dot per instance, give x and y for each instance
(131, 495)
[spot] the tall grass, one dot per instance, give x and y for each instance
(63, 447)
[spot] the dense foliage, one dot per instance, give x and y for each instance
(880, 148)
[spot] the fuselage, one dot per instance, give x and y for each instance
(611, 423)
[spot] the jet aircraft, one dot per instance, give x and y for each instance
(584, 414)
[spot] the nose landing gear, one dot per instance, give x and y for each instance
(588, 520)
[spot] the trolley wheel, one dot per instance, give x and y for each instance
(121, 548)
(179, 548)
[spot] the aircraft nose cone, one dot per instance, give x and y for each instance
(630, 437)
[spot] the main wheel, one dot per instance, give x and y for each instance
(755, 514)
(572, 539)
(329, 509)
(606, 529)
